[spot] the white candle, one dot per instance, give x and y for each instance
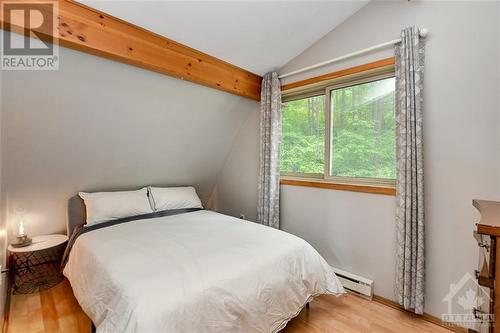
(21, 228)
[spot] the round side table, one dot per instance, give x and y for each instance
(37, 266)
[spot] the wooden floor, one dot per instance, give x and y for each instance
(56, 310)
(53, 310)
(351, 314)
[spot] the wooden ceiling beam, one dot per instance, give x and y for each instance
(88, 30)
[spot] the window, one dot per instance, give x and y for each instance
(342, 133)
(303, 144)
(363, 137)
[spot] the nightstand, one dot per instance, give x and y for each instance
(37, 266)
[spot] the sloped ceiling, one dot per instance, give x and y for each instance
(259, 36)
(97, 124)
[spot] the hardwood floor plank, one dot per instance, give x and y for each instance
(35, 318)
(19, 324)
(35, 321)
(56, 310)
(49, 312)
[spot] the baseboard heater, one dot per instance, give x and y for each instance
(355, 283)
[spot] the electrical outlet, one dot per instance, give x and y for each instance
(242, 216)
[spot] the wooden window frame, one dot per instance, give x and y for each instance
(324, 85)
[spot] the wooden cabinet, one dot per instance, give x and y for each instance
(487, 234)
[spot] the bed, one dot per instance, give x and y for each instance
(194, 271)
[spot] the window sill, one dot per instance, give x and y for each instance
(338, 186)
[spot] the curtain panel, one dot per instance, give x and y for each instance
(268, 209)
(410, 170)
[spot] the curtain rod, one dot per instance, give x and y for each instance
(423, 33)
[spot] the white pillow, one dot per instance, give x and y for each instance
(105, 206)
(165, 198)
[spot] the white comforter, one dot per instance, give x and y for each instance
(195, 272)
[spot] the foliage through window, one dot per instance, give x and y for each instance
(303, 144)
(363, 130)
(351, 131)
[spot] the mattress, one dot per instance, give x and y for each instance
(195, 272)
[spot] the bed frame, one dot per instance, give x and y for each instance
(76, 214)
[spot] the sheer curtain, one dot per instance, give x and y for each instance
(268, 207)
(410, 170)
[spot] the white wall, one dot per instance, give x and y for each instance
(498, 69)
(355, 231)
(237, 181)
(96, 124)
